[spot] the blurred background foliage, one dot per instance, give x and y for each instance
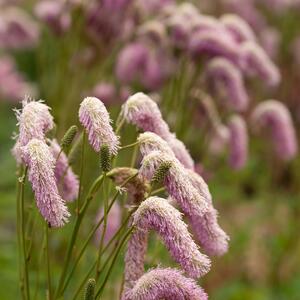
(259, 206)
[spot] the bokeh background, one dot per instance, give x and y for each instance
(61, 51)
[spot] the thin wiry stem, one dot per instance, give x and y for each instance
(46, 232)
(81, 171)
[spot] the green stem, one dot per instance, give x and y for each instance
(157, 191)
(23, 242)
(93, 190)
(48, 262)
(120, 122)
(81, 171)
(134, 156)
(100, 290)
(129, 146)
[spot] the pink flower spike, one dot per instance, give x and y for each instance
(168, 284)
(275, 115)
(66, 180)
(95, 119)
(238, 142)
(40, 162)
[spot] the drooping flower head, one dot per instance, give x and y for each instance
(95, 118)
(238, 142)
(34, 121)
(227, 80)
(274, 115)
(40, 161)
(169, 284)
(157, 214)
(66, 180)
(194, 199)
(256, 62)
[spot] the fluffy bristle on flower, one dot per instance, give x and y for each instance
(40, 162)
(95, 118)
(169, 284)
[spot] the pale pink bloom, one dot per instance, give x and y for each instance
(238, 27)
(228, 82)
(40, 161)
(270, 39)
(275, 116)
(256, 62)
(153, 30)
(168, 284)
(95, 119)
(66, 180)
(34, 121)
(157, 214)
(105, 91)
(218, 139)
(238, 142)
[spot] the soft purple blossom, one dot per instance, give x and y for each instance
(227, 80)
(270, 39)
(168, 284)
(256, 62)
(218, 139)
(66, 180)
(40, 162)
(238, 142)
(34, 121)
(95, 119)
(106, 92)
(275, 116)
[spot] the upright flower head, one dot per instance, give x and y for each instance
(40, 162)
(34, 121)
(193, 198)
(227, 80)
(275, 115)
(169, 284)
(238, 142)
(66, 180)
(95, 118)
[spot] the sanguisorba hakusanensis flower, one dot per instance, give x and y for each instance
(95, 119)
(273, 115)
(143, 112)
(238, 142)
(41, 163)
(34, 120)
(196, 205)
(66, 180)
(157, 214)
(168, 284)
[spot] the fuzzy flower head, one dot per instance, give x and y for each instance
(95, 119)
(142, 111)
(227, 80)
(34, 121)
(256, 62)
(66, 180)
(277, 118)
(40, 162)
(238, 142)
(169, 284)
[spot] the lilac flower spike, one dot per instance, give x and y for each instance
(95, 118)
(157, 214)
(240, 30)
(238, 142)
(34, 121)
(66, 180)
(228, 80)
(275, 115)
(257, 62)
(40, 162)
(168, 284)
(193, 197)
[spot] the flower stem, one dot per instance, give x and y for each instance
(48, 261)
(129, 145)
(81, 171)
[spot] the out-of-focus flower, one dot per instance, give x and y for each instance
(169, 284)
(227, 80)
(238, 142)
(113, 222)
(270, 40)
(40, 162)
(17, 29)
(54, 14)
(67, 182)
(274, 115)
(256, 62)
(218, 139)
(106, 92)
(34, 121)
(13, 85)
(95, 118)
